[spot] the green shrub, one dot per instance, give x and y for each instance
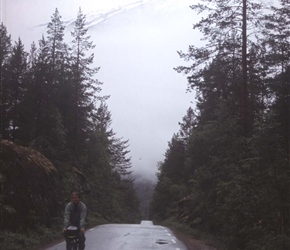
(28, 240)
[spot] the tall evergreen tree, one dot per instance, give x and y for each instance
(5, 54)
(170, 187)
(46, 130)
(117, 147)
(277, 41)
(189, 121)
(5, 45)
(46, 78)
(39, 87)
(98, 165)
(55, 34)
(86, 88)
(276, 37)
(34, 98)
(223, 31)
(16, 89)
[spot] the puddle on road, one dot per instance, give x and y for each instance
(161, 242)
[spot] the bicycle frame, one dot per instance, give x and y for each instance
(72, 238)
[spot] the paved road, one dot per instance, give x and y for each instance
(143, 236)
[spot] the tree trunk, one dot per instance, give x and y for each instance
(245, 78)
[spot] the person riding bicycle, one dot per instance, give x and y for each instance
(75, 215)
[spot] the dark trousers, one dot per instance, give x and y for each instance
(82, 240)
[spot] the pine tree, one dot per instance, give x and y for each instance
(170, 187)
(119, 157)
(55, 34)
(85, 87)
(276, 37)
(5, 54)
(16, 89)
(189, 121)
(5, 45)
(46, 79)
(224, 29)
(277, 59)
(39, 87)
(117, 147)
(45, 129)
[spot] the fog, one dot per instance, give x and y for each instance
(136, 48)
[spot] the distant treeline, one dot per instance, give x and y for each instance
(226, 172)
(51, 104)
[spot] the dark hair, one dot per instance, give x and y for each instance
(76, 193)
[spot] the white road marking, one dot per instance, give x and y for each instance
(173, 241)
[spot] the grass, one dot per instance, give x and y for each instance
(32, 239)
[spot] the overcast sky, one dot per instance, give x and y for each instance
(136, 48)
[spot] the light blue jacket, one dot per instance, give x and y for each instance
(68, 211)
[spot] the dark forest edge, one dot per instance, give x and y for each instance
(56, 137)
(226, 172)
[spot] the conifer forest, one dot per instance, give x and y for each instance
(57, 136)
(225, 173)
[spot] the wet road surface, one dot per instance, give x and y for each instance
(143, 236)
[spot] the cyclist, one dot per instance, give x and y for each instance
(75, 215)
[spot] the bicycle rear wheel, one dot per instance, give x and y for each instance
(69, 246)
(75, 246)
(72, 246)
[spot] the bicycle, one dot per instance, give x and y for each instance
(72, 238)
